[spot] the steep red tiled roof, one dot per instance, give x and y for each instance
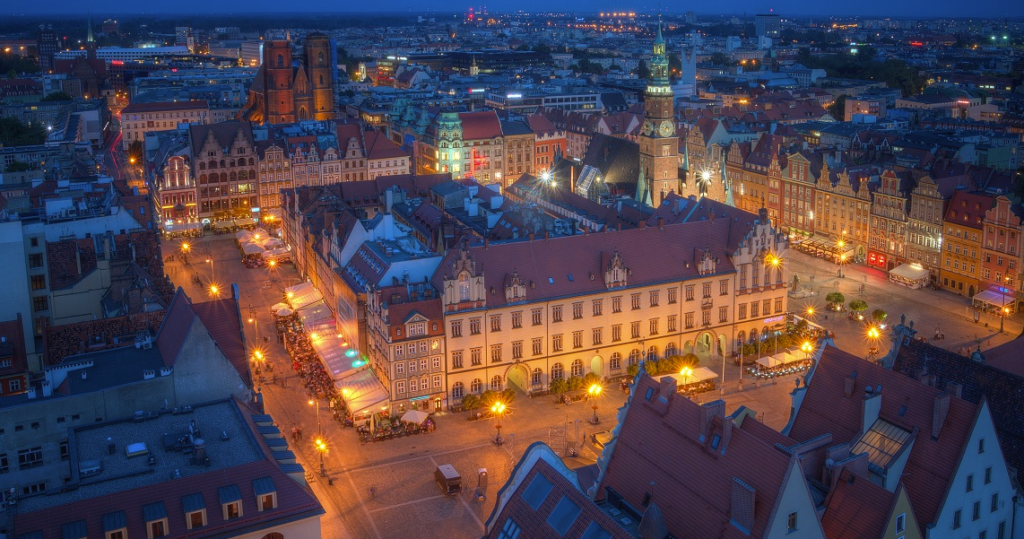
(856, 508)
(968, 209)
(539, 124)
(70, 261)
(480, 125)
(378, 146)
(576, 265)
(221, 318)
(664, 443)
(60, 342)
(175, 328)
(826, 409)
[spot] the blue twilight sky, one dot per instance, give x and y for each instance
(909, 8)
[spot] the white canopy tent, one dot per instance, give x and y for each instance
(277, 254)
(912, 275)
(302, 294)
(333, 355)
(363, 393)
(994, 297)
(699, 375)
(317, 318)
(243, 236)
(778, 359)
(252, 249)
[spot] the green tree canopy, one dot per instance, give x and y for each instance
(58, 96)
(835, 298)
(838, 107)
(858, 305)
(15, 133)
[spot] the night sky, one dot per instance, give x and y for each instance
(922, 9)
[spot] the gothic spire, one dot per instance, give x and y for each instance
(89, 38)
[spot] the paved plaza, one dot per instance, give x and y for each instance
(405, 501)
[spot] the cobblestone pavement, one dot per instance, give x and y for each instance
(406, 502)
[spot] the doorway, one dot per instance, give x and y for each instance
(518, 376)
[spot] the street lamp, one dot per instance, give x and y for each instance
(807, 348)
(321, 447)
(214, 291)
(593, 392)
(842, 256)
(498, 409)
(686, 372)
(1004, 310)
(873, 334)
(314, 403)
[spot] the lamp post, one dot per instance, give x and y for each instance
(316, 404)
(254, 321)
(321, 447)
(841, 256)
(593, 392)
(686, 372)
(498, 409)
(184, 252)
(873, 334)
(1003, 311)
(807, 348)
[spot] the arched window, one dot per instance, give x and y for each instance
(557, 372)
(457, 390)
(634, 356)
(303, 114)
(739, 338)
(496, 383)
(321, 80)
(464, 286)
(753, 335)
(234, 176)
(535, 377)
(671, 350)
(202, 165)
(615, 362)
(252, 162)
(474, 386)
(652, 352)
(222, 165)
(224, 177)
(202, 178)
(577, 368)
(320, 58)
(213, 165)
(280, 60)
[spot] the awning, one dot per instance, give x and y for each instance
(363, 393)
(316, 318)
(252, 249)
(340, 361)
(778, 359)
(277, 254)
(699, 375)
(243, 236)
(995, 297)
(910, 272)
(302, 294)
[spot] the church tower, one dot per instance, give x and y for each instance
(277, 82)
(659, 144)
(319, 69)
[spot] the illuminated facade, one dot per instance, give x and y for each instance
(659, 143)
(178, 192)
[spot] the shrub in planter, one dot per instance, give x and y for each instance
(470, 402)
(559, 386)
(590, 379)
(575, 382)
(631, 370)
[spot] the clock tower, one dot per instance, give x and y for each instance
(659, 144)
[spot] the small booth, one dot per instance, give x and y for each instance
(317, 319)
(783, 363)
(910, 275)
(995, 299)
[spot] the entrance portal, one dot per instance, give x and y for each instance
(703, 348)
(597, 366)
(518, 376)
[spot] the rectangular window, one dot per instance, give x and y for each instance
(577, 339)
(538, 346)
(742, 311)
(598, 305)
(976, 511)
(672, 323)
(517, 320)
(654, 298)
(232, 510)
(723, 287)
(556, 343)
(556, 313)
(778, 305)
(723, 315)
(30, 458)
(988, 475)
(156, 529)
(1001, 533)
(41, 303)
(596, 335)
(496, 322)
(536, 316)
(474, 326)
(706, 289)
(970, 482)
(35, 260)
(617, 333)
(791, 523)
(689, 320)
(577, 311)
(38, 282)
(196, 519)
(766, 307)
(689, 292)
(705, 317)
(995, 503)
(457, 359)
(4, 463)
(635, 330)
(496, 353)
(475, 356)
(901, 522)
(517, 350)
(634, 301)
(981, 445)
(672, 293)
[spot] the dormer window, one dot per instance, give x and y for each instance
(195, 511)
(266, 494)
(115, 525)
(464, 286)
(74, 530)
(230, 502)
(156, 519)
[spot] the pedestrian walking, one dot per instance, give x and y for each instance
(295, 434)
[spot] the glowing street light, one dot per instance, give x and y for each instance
(321, 447)
(498, 409)
(214, 291)
(593, 392)
(686, 372)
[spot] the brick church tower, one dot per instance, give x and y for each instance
(286, 90)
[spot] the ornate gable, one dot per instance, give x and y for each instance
(464, 287)
(515, 289)
(616, 272)
(706, 262)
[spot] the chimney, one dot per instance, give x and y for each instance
(939, 413)
(661, 223)
(200, 450)
(547, 235)
(742, 510)
(643, 225)
(486, 243)
(955, 389)
(870, 406)
(78, 258)
(851, 380)
(532, 236)
(709, 410)
(726, 434)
